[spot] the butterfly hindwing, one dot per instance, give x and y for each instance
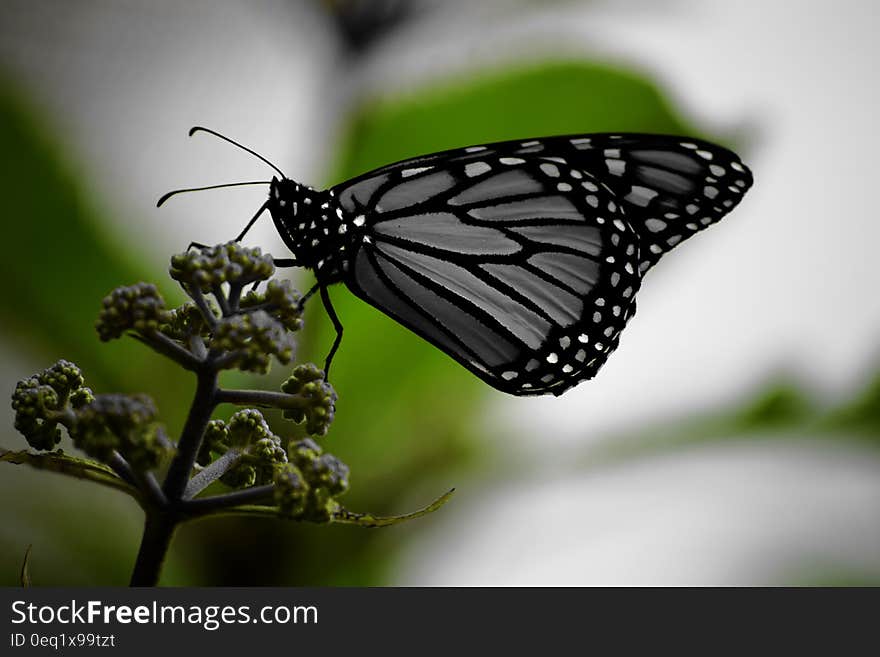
(522, 269)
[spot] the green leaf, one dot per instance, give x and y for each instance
(546, 99)
(344, 516)
(25, 575)
(72, 466)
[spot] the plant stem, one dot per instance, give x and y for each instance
(163, 517)
(158, 530)
(203, 505)
(191, 437)
(264, 398)
(212, 473)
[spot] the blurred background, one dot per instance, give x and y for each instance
(733, 438)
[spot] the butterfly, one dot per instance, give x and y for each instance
(519, 259)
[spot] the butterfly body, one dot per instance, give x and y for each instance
(519, 259)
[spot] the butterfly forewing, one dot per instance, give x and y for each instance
(670, 187)
(522, 269)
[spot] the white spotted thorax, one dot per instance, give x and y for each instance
(519, 259)
(313, 227)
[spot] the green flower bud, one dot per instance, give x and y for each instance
(253, 338)
(215, 441)
(328, 473)
(266, 454)
(137, 307)
(244, 475)
(320, 506)
(187, 321)
(64, 377)
(262, 450)
(123, 423)
(280, 300)
(41, 403)
(206, 268)
(325, 475)
(308, 381)
(291, 490)
(35, 408)
(303, 453)
(246, 427)
(81, 397)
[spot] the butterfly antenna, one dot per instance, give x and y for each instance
(167, 196)
(199, 128)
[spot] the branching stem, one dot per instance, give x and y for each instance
(262, 398)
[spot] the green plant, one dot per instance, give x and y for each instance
(238, 466)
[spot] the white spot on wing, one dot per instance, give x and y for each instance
(472, 169)
(616, 167)
(550, 169)
(655, 225)
(641, 196)
(406, 173)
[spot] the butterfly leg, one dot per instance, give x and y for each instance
(199, 245)
(337, 325)
(253, 220)
(308, 295)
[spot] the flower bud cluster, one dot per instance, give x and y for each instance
(306, 487)
(121, 423)
(137, 307)
(98, 425)
(207, 268)
(308, 381)
(281, 300)
(251, 339)
(246, 432)
(47, 400)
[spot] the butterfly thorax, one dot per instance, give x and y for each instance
(311, 224)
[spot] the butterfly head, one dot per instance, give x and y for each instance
(290, 198)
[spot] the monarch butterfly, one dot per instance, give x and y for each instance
(519, 259)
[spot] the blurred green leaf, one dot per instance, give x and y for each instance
(779, 410)
(59, 259)
(25, 575)
(546, 99)
(861, 415)
(60, 265)
(782, 405)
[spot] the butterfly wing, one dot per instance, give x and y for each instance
(521, 259)
(521, 269)
(670, 187)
